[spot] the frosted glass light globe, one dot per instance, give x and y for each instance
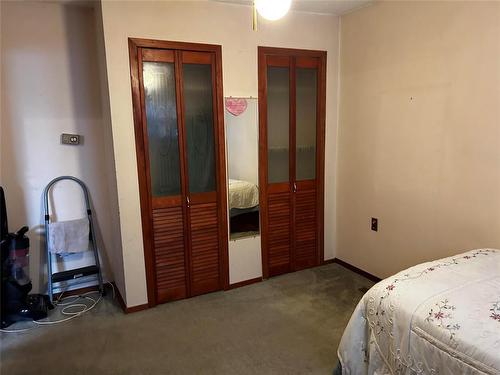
(272, 9)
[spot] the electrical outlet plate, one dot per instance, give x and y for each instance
(71, 139)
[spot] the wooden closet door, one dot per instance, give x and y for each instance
(306, 201)
(276, 167)
(200, 144)
(291, 153)
(162, 143)
(178, 106)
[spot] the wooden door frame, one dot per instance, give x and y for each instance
(263, 53)
(144, 189)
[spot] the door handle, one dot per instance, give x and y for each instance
(188, 202)
(294, 187)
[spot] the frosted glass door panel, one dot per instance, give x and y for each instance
(161, 118)
(278, 97)
(305, 151)
(199, 123)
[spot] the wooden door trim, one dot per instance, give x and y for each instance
(306, 185)
(292, 158)
(158, 202)
(134, 46)
(279, 187)
(153, 55)
(278, 61)
(221, 170)
(190, 57)
(276, 51)
(320, 151)
(307, 62)
(263, 160)
(278, 55)
(166, 44)
(206, 197)
(179, 100)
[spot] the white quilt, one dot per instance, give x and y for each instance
(243, 194)
(441, 317)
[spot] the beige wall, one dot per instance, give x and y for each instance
(419, 137)
(50, 85)
(205, 22)
(115, 240)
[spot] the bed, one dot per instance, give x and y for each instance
(441, 317)
(243, 195)
(243, 206)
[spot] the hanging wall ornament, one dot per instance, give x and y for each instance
(236, 106)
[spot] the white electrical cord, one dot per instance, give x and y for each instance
(72, 305)
(17, 330)
(67, 308)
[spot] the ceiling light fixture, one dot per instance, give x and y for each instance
(272, 10)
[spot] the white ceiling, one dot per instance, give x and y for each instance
(337, 7)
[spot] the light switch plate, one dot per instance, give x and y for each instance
(71, 139)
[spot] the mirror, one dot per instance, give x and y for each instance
(242, 138)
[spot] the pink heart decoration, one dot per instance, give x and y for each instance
(236, 106)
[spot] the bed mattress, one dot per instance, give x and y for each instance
(441, 317)
(243, 194)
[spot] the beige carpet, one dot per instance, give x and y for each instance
(290, 324)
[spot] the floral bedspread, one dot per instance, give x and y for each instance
(441, 317)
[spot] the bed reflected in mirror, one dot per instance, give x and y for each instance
(242, 137)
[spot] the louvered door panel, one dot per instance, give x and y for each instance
(292, 97)
(278, 242)
(305, 229)
(205, 272)
(179, 129)
(168, 242)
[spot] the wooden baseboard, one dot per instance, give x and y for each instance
(245, 282)
(133, 309)
(123, 305)
(359, 271)
(328, 261)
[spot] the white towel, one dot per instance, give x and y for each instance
(70, 236)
